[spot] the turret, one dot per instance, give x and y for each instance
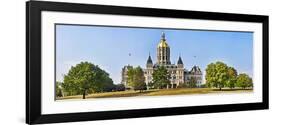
(180, 63)
(149, 62)
(196, 70)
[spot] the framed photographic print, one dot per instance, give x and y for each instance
(95, 62)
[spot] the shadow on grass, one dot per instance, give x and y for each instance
(120, 94)
(237, 89)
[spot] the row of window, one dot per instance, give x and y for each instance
(163, 58)
(171, 72)
(173, 77)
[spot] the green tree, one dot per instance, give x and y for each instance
(210, 75)
(107, 85)
(103, 83)
(59, 91)
(161, 77)
(244, 81)
(85, 78)
(120, 87)
(217, 75)
(192, 82)
(150, 85)
(232, 76)
(136, 78)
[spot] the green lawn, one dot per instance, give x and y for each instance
(157, 92)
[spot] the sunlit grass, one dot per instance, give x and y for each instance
(180, 91)
(158, 92)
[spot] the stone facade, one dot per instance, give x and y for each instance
(124, 75)
(195, 73)
(177, 71)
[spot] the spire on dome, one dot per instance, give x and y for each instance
(163, 42)
(163, 36)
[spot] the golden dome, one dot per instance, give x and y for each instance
(163, 43)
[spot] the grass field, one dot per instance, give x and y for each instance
(157, 92)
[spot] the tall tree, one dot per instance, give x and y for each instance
(217, 75)
(161, 77)
(210, 75)
(244, 81)
(103, 83)
(232, 76)
(84, 78)
(136, 78)
(192, 82)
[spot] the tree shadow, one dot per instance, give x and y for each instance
(236, 89)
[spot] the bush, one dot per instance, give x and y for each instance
(120, 87)
(203, 86)
(183, 85)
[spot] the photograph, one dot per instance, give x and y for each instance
(100, 61)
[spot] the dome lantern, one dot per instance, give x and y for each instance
(163, 43)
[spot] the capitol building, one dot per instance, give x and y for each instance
(178, 73)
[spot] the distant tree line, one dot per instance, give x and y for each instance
(220, 75)
(136, 78)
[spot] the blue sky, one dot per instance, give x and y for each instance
(109, 47)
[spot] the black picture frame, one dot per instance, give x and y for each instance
(33, 61)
